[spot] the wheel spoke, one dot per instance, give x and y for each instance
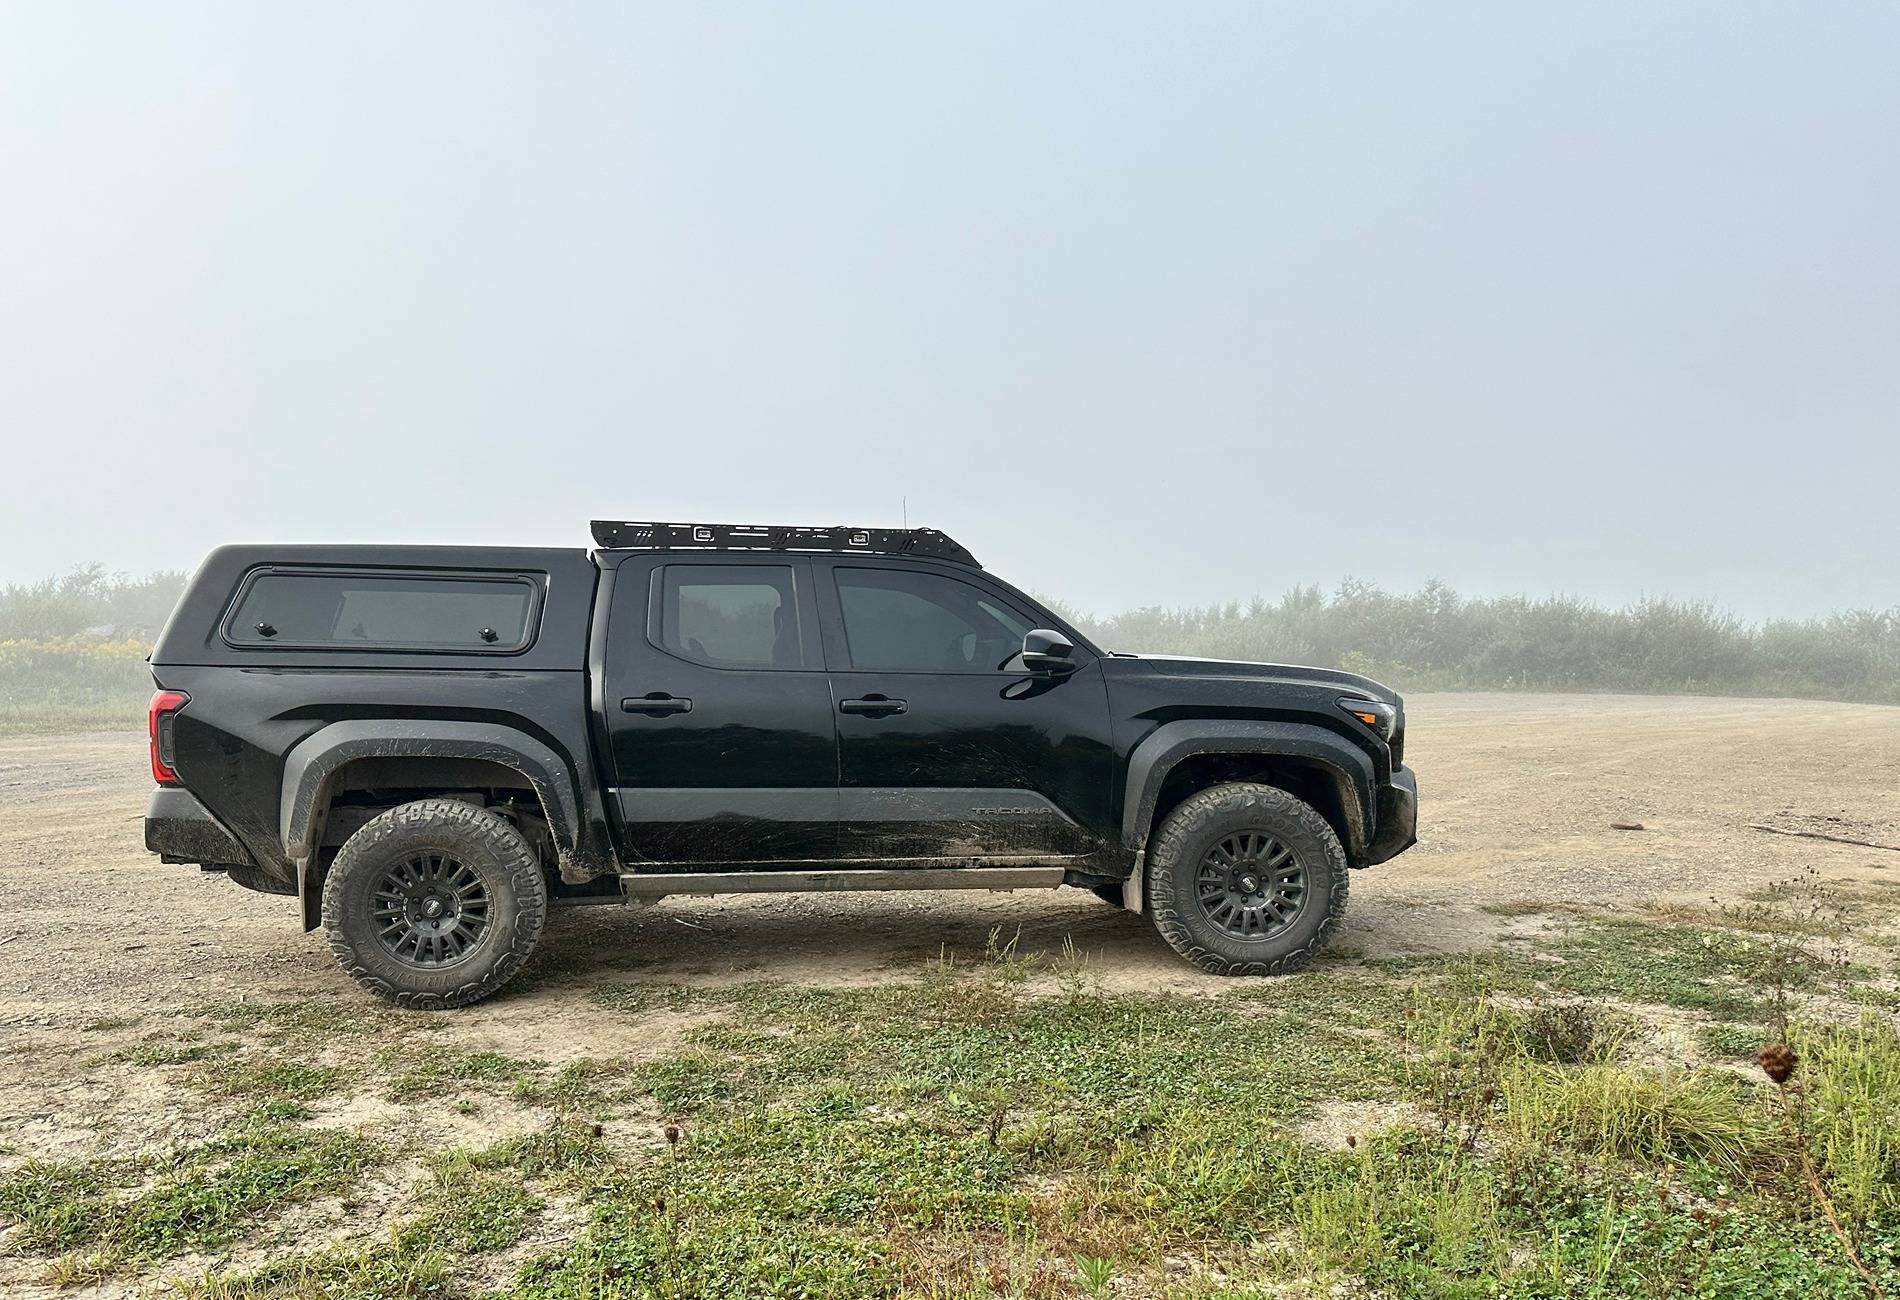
(1250, 884)
(429, 909)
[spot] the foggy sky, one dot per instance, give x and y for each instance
(1143, 303)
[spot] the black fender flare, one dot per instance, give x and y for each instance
(311, 764)
(1349, 767)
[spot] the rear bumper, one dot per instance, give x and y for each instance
(180, 829)
(1398, 818)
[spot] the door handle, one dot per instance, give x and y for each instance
(655, 704)
(874, 706)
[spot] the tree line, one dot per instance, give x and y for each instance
(89, 601)
(1436, 639)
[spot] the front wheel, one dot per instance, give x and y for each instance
(437, 903)
(1246, 879)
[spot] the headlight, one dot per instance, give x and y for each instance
(1380, 717)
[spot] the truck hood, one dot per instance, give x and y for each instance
(1240, 670)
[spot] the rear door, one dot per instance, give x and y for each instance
(718, 712)
(947, 748)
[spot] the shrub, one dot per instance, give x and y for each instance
(1435, 639)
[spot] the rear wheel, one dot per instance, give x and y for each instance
(437, 903)
(1246, 879)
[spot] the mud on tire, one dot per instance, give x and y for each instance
(437, 903)
(1200, 861)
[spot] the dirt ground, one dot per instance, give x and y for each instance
(1518, 794)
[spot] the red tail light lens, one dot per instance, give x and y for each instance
(159, 719)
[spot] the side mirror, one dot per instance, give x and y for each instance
(1048, 652)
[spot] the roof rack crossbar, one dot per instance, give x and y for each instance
(923, 543)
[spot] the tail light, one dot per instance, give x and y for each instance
(160, 718)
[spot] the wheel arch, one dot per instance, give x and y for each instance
(1306, 760)
(457, 753)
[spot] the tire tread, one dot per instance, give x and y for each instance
(421, 817)
(1201, 807)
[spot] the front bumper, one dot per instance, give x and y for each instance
(1398, 817)
(180, 829)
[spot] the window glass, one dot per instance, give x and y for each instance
(731, 615)
(919, 622)
(392, 611)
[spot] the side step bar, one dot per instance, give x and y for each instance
(656, 884)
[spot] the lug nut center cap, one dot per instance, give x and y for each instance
(432, 908)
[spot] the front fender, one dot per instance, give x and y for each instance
(1349, 767)
(309, 767)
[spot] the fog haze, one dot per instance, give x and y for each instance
(1145, 304)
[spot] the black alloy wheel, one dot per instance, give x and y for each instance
(1250, 885)
(436, 903)
(430, 910)
(1246, 878)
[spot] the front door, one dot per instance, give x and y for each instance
(719, 712)
(947, 749)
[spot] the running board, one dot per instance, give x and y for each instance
(657, 884)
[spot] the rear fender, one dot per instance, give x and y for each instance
(310, 767)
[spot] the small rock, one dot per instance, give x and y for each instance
(1626, 826)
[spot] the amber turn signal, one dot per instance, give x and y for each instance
(1382, 718)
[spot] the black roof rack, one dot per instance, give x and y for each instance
(926, 543)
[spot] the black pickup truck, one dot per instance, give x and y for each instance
(429, 746)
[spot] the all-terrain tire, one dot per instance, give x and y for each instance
(434, 830)
(255, 878)
(1209, 818)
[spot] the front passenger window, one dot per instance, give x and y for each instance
(920, 622)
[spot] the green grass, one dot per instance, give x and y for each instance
(471, 1202)
(177, 1053)
(1851, 1077)
(404, 1267)
(1731, 1041)
(474, 1209)
(111, 1214)
(1875, 995)
(636, 996)
(1658, 1116)
(271, 1080)
(327, 1019)
(57, 1205)
(566, 1149)
(440, 1073)
(587, 1085)
(1691, 967)
(997, 1128)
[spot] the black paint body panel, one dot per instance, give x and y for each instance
(720, 782)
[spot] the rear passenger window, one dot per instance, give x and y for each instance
(384, 611)
(731, 615)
